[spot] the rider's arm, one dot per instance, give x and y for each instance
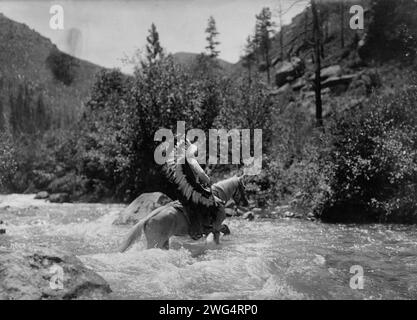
(195, 166)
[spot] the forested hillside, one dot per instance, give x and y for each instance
(40, 86)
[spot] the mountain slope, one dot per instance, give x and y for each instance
(188, 58)
(297, 36)
(34, 74)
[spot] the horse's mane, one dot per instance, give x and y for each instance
(224, 189)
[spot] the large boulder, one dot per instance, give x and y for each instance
(332, 71)
(42, 273)
(230, 212)
(328, 72)
(249, 216)
(365, 82)
(141, 207)
(289, 71)
(344, 80)
(2, 230)
(59, 197)
(299, 84)
(42, 195)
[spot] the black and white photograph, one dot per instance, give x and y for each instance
(225, 152)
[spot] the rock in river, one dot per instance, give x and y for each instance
(42, 195)
(43, 273)
(59, 197)
(249, 216)
(289, 214)
(141, 207)
(2, 230)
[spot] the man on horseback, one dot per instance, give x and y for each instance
(199, 209)
(192, 187)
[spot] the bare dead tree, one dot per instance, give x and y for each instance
(249, 57)
(317, 61)
(281, 33)
(263, 29)
(342, 23)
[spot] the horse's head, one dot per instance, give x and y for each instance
(239, 195)
(231, 188)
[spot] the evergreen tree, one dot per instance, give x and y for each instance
(27, 122)
(211, 38)
(248, 57)
(8, 163)
(2, 119)
(154, 50)
(17, 110)
(342, 9)
(392, 31)
(317, 61)
(263, 29)
(40, 116)
(281, 33)
(13, 115)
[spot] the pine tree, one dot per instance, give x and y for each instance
(13, 116)
(27, 122)
(392, 31)
(41, 117)
(248, 57)
(263, 29)
(342, 23)
(211, 38)
(317, 61)
(281, 33)
(17, 111)
(2, 119)
(154, 50)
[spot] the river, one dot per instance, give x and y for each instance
(261, 259)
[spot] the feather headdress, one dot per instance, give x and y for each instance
(184, 172)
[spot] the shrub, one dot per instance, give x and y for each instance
(248, 105)
(392, 31)
(163, 94)
(70, 183)
(8, 163)
(117, 144)
(375, 162)
(62, 65)
(103, 147)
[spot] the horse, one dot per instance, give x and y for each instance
(169, 220)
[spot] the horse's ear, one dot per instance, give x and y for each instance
(242, 178)
(240, 173)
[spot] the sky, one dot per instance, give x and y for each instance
(106, 31)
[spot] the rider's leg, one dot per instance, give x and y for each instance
(166, 245)
(216, 237)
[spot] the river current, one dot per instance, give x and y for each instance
(261, 259)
